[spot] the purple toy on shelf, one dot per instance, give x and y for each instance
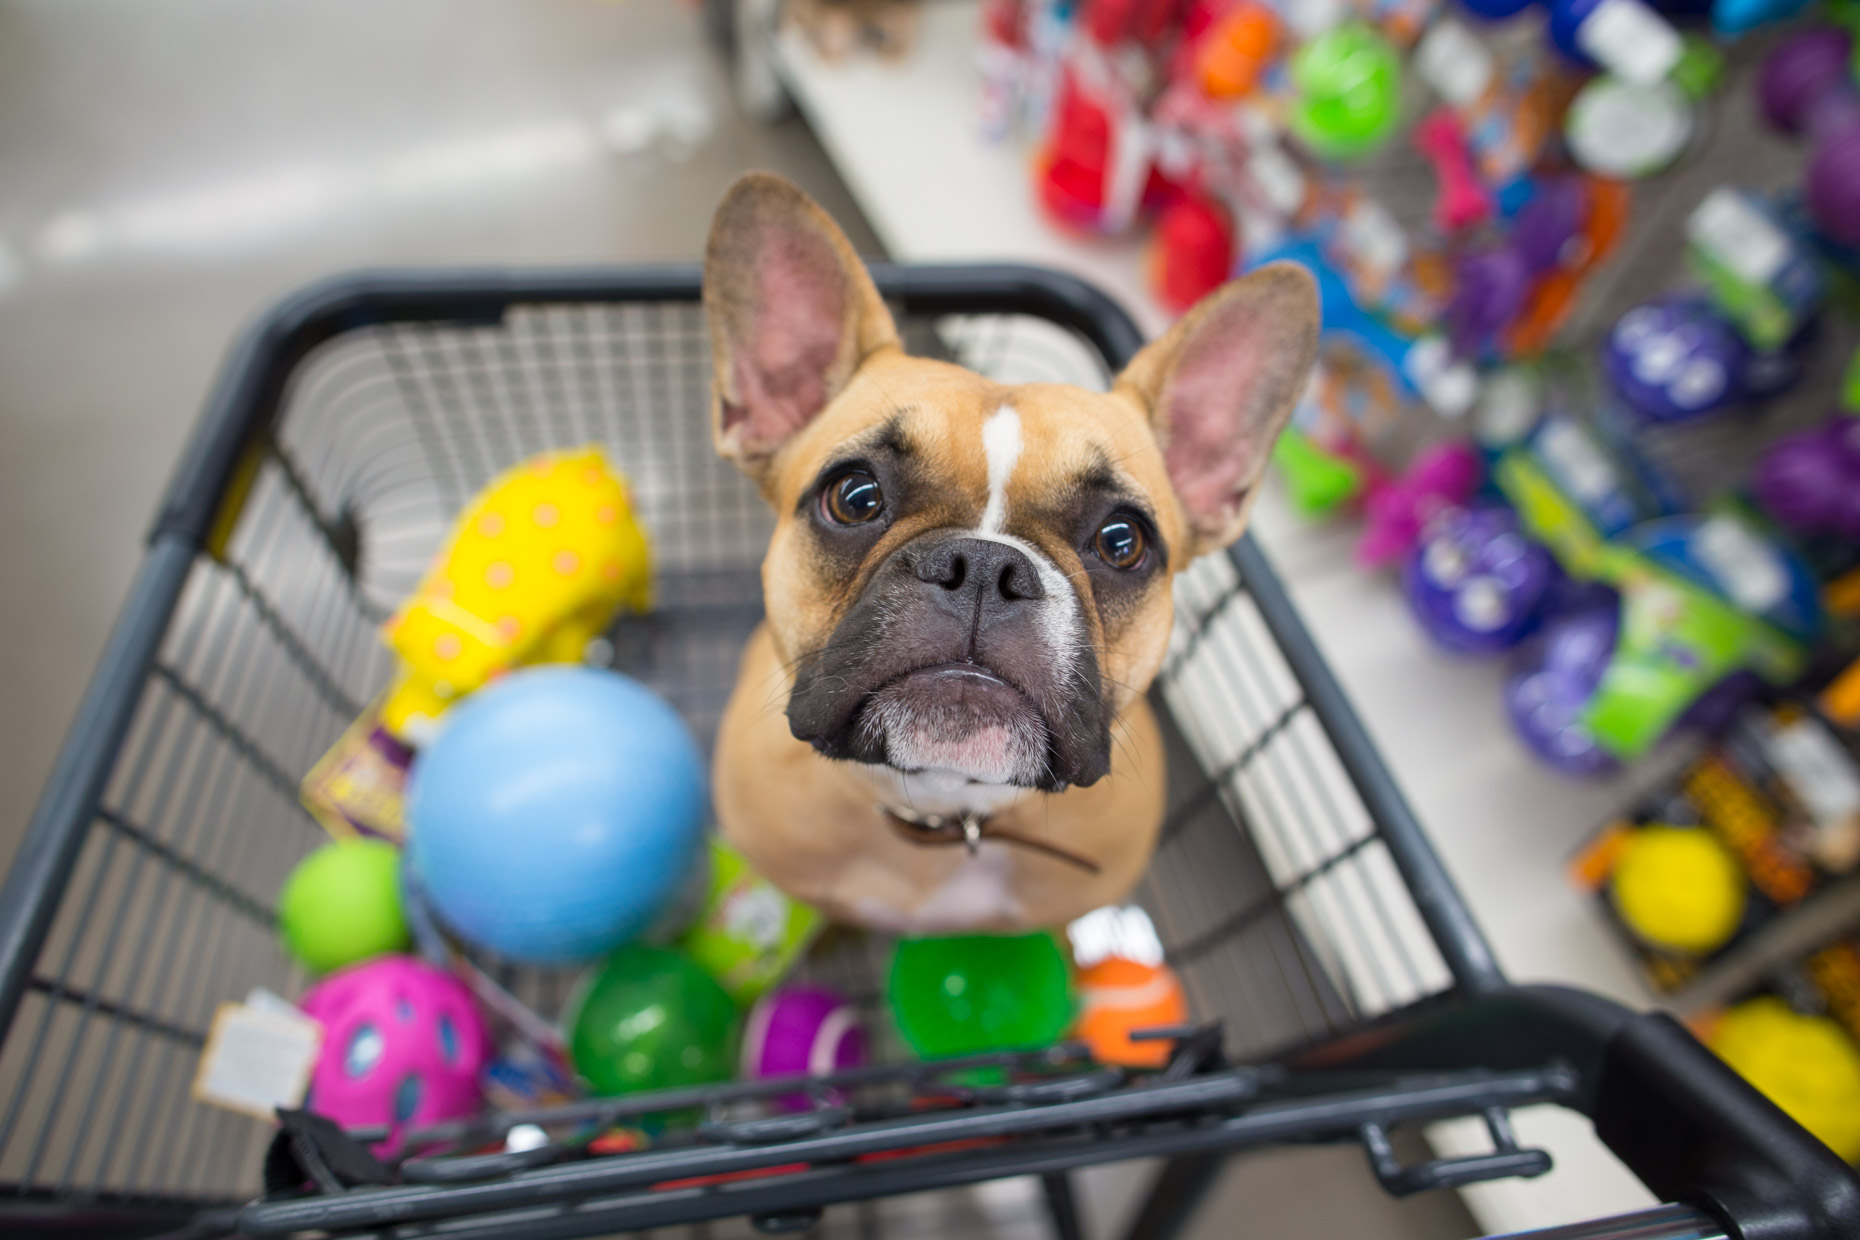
(403, 1044)
(1546, 696)
(1810, 482)
(1477, 585)
(1675, 359)
(1807, 87)
(1399, 510)
(1490, 286)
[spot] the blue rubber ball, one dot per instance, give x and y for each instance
(555, 814)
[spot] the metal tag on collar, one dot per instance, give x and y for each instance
(972, 831)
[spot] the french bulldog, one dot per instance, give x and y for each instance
(940, 725)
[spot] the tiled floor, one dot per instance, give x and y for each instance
(167, 171)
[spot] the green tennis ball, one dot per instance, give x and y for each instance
(341, 905)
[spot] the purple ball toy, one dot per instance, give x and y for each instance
(1810, 482)
(1807, 87)
(1675, 359)
(801, 1030)
(1545, 697)
(1490, 286)
(1476, 584)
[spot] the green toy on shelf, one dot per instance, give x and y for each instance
(1318, 481)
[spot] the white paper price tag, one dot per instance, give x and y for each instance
(1376, 244)
(1448, 385)
(1453, 61)
(1310, 18)
(257, 1059)
(1819, 770)
(1627, 129)
(1280, 183)
(1730, 230)
(1508, 407)
(1578, 464)
(1748, 568)
(1630, 40)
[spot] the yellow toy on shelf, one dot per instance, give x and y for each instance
(535, 568)
(1805, 1064)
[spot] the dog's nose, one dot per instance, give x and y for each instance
(973, 569)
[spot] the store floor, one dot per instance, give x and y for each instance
(167, 171)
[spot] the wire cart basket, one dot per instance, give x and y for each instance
(1343, 987)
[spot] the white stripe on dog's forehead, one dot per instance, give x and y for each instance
(1001, 444)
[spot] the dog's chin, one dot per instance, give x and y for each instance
(958, 718)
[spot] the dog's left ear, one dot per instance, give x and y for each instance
(792, 314)
(1220, 386)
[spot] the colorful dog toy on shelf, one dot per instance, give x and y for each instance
(1348, 91)
(1678, 889)
(1810, 482)
(1807, 1065)
(1761, 275)
(1399, 510)
(1476, 584)
(1422, 365)
(1808, 87)
(1505, 106)
(1699, 612)
(1675, 359)
(1510, 298)
(534, 569)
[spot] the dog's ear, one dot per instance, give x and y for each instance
(792, 314)
(1220, 386)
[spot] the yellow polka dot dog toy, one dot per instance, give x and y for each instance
(534, 569)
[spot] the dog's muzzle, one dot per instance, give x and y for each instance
(962, 654)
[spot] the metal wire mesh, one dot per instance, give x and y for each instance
(1273, 893)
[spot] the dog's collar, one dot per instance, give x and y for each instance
(970, 830)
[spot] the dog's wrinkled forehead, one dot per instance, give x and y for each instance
(1020, 461)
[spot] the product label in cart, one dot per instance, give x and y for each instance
(258, 1058)
(358, 787)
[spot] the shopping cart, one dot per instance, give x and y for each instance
(1343, 988)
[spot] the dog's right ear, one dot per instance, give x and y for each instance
(792, 314)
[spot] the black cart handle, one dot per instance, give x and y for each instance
(1661, 1223)
(1688, 1126)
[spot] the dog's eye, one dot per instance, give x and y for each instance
(853, 499)
(1120, 543)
